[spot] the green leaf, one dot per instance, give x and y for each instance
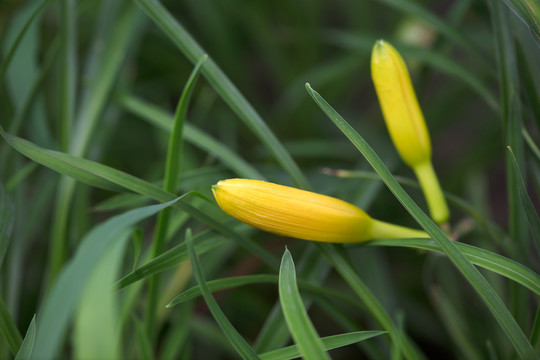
(236, 340)
(329, 343)
(172, 168)
(473, 276)
(25, 352)
(529, 12)
(63, 298)
(99, 175)
(204, 242)
(223, 86)
(298, 322)
(232, 282)
(478, 256)
(143, 341)
(96, 334)
(8, 329)
(6, 61)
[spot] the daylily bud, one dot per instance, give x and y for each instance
(405, 122)
(301, 214)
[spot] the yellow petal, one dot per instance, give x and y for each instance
(301, 214)
(403, 116)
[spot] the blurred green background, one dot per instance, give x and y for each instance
(85, 70)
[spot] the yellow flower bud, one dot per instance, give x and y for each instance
(301, 214)
(405, 122)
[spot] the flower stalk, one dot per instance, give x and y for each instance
(302, 214)
(406, 124)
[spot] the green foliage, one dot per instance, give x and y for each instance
(90, 141)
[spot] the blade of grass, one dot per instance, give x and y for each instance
(99, 175)
(27, 347)
(143, 341)
(329, 343)
(478, 256)
(232, 282)
(68, 76)
(60, 303)
(529, 12)
(471, 274)
(172, 168)
(197, 137)
(90, 111)
(510, 99)
(15, 45)
(302, 330)
(223, 86)
(96, 332)
(511, 114)
(8, 329)
(236, 340)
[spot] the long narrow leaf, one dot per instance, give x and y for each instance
(60, 303)
(172, 168)
(298, 322)
(329, 343)
(99, 175)
(484, 258)
(25, 352)
(228, 283)
(473, 276)
(8, 329)
(236, 340)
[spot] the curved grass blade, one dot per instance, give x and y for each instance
(236, 340)
(329, 343)
(483, 258)
(223, 86)
(197, 137)
(204, 242)
(529, 12)
(66, 293)
(302, 330)
(68, 75)
(473, 276)
(232, 282)
(8, 329)
(13, 48)
(25, 351)
(172, 168)
(102, 176)
(96, 334)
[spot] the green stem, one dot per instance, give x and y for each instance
(432, 191)
(384, 230)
